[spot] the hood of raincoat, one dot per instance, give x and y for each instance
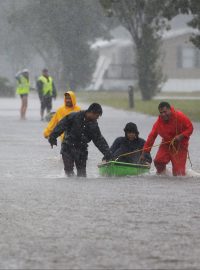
(60, 113)
(73, 97)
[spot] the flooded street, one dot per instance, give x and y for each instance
(49, 221)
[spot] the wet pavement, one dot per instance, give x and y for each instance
(49, 221)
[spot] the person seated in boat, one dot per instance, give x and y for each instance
(129, 148)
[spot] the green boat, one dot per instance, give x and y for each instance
(115, 168)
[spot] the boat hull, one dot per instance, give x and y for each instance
(114, 168)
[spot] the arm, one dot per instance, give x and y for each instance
(146, 155)
(39, 86)
(186, 127)
(100, 142)
(60, 128)
(18, 78)
(54, 92)
(118, 148)
(151, 138)
(149, 143)
(116, 145)
(62, 125)
(51, 125)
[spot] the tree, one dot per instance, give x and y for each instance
(6, 90)
(144, 20)
(12, 49)
(61, 31)
(191, 7)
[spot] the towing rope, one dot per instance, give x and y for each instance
(171, 145)
(139, 150)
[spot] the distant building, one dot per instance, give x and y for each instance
(115, 67)
(181, 63)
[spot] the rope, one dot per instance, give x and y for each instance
(189, 159)
(171, 145)
(139, 150)
(173, 148)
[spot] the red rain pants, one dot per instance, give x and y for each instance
(178, 159)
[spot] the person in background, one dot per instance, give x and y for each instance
(79, 129)
(131, 142)
(23, 89)
(46, 91)
(68, 107)
(175, 129)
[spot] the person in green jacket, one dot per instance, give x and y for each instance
(46, 91)
(23, 89)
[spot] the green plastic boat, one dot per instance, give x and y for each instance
(115, 168)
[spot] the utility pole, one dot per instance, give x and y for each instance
(131, 96)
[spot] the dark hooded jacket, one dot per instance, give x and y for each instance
(122, 145)
(78, 133)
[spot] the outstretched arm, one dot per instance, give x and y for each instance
(100, 142)
(148, 144)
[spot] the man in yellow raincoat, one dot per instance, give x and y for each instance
(68, 107)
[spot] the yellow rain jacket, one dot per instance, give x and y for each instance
(60, 113)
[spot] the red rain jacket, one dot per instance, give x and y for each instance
(177, 124)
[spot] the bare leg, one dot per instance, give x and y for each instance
(24, 106)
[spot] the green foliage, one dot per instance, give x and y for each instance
(149, 72)
(176, 7)
(143, 19)
(61, 31)
(6, 90)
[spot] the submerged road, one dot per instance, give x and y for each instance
(48, 221)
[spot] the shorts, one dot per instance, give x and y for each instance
(46, 103)
(23, 95)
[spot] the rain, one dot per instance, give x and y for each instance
(51, 221)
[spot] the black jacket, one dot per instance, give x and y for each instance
(78, 133)
(122, 145)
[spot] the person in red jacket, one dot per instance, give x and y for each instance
(175, 129)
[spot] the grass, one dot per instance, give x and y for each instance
(183, 94)
(119, 100)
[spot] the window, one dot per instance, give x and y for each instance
(188, 57)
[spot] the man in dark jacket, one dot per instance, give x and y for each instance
(79, 129)
(128, 144)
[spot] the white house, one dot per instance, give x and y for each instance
(181, 63)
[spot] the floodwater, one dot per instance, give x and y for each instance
(48, 221)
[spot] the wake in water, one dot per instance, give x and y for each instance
(189, 173)
(192, 173)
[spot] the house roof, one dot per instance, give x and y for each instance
(119, 42)
(102, 43)
(179, 32)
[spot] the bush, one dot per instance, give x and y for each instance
(6, 90)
